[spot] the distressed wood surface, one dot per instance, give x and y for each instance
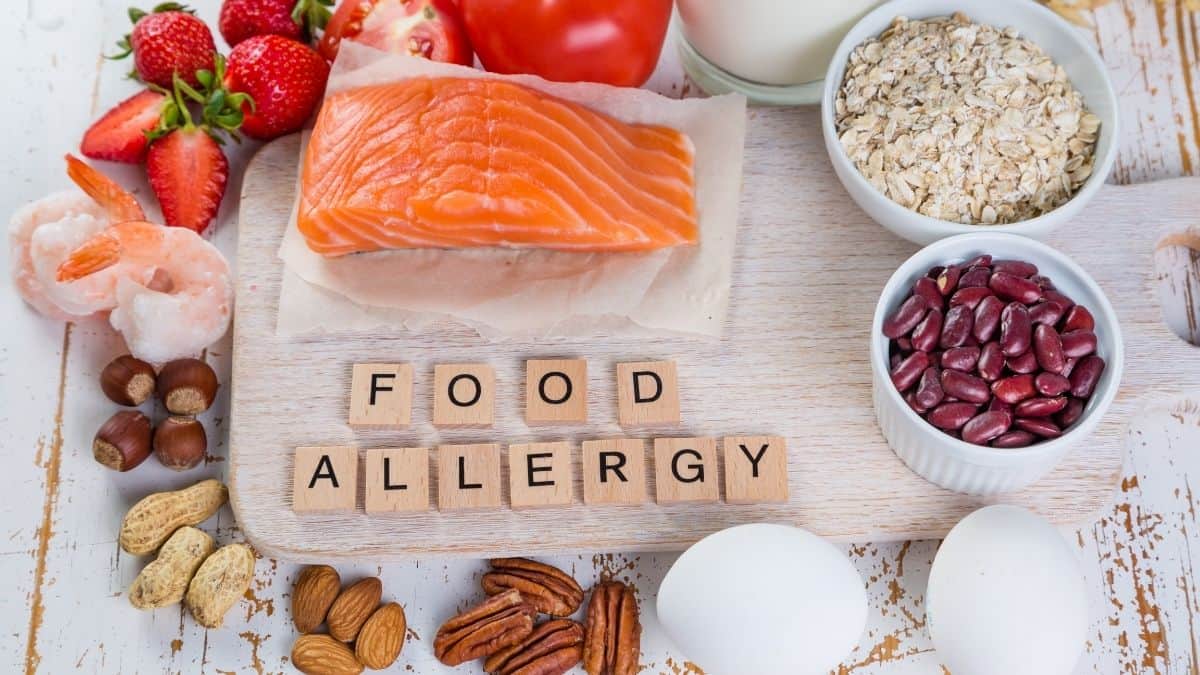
(63, 609)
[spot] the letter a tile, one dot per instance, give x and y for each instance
(325, 479)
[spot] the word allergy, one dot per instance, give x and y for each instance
(613, 471)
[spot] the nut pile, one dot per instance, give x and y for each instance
(187, 388)
(503, 629)
(990, 352)
(362, 632)
(964, 122)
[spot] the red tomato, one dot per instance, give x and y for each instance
(613, 41)
(427, 28)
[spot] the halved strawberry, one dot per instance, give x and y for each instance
(120, 136)
(188, 173)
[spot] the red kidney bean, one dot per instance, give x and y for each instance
(1016, 331)
(997, 404)
(960, 358)
(956, 327)
(984, 260)
(1051, 384)
(975, 277)
(1048, 349)
(905, 318)
(927, 289)
(1057, 296)
(1043, 282)
(894, 360)
(1078, 343)
(925, 336)
(906, 373)
(985, 426)
(1085, 376)
(971, 297)
(987, 318)
(1078, 318)
(1025, 363)
(1070, 367)
(951, 415)
(929, 389)
(965, 387)
(935, 272)
(1040, 407)
(947, 281)
(1048, 312)
(1070, 414)
(910, 397)
(1038, 425)
(991, 361)
(1014, 288)
(1017, 268)
(1014, 389)
(1014, 439)
(904, 345)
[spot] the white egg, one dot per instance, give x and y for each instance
(763, 599)
(1006, 595)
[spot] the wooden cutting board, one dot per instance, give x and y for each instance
(793, 362)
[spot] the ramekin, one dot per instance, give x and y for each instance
(958, 465)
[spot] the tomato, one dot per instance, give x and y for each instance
(613, 41)
(429, 28)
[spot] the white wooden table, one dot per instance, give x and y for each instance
(62, 604)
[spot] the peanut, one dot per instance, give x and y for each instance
(164, 581)
(221, 580)
(148, 524)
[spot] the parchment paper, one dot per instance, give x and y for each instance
(534, 293)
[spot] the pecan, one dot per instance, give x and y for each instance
(501, 620)
(612, 633)
(553, 648)
(551, 590)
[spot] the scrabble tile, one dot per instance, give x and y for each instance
(614, 471)
(756, 469)
(381, 394)
(685, 470)
(325, 479)
(540, 474)
(464, 395)
(647, 393)
(556, 391)
(468, 477)
(397, 479)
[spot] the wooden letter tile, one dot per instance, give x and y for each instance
(556, 391)
(325, 479)
(464, 395)
(756, 469)
(397, 479)
(540, 474)
(614, 471)
(685, 470)
(468, 477)
(647, 393)
(381, 394)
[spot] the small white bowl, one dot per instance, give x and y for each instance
(1059, 39)
(958, 465)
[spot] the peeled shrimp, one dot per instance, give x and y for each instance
(173, 289)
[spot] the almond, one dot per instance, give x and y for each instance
(352, 607)
(315, 590)
(382, 637)
(322, 655)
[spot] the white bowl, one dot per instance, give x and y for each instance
(958, 465)
(1059, 39)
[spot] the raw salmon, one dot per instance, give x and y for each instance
(469, 162)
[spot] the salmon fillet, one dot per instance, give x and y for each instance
(471, 162)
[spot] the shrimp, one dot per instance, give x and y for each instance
(174, 290)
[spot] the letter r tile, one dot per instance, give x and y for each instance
(614, 471)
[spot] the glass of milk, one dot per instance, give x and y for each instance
(773, 51)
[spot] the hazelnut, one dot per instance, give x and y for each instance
(187, 386)
(180, 443)
(127, 381)
(123, 441)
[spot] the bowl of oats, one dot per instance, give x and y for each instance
(948, 117)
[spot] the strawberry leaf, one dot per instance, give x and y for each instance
(311, 16)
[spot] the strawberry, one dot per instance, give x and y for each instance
(241, 20)
(167, 41)
(187, 172)
(121, 135)
(285, 78)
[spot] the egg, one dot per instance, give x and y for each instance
(1006, 595)
(763, 599)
